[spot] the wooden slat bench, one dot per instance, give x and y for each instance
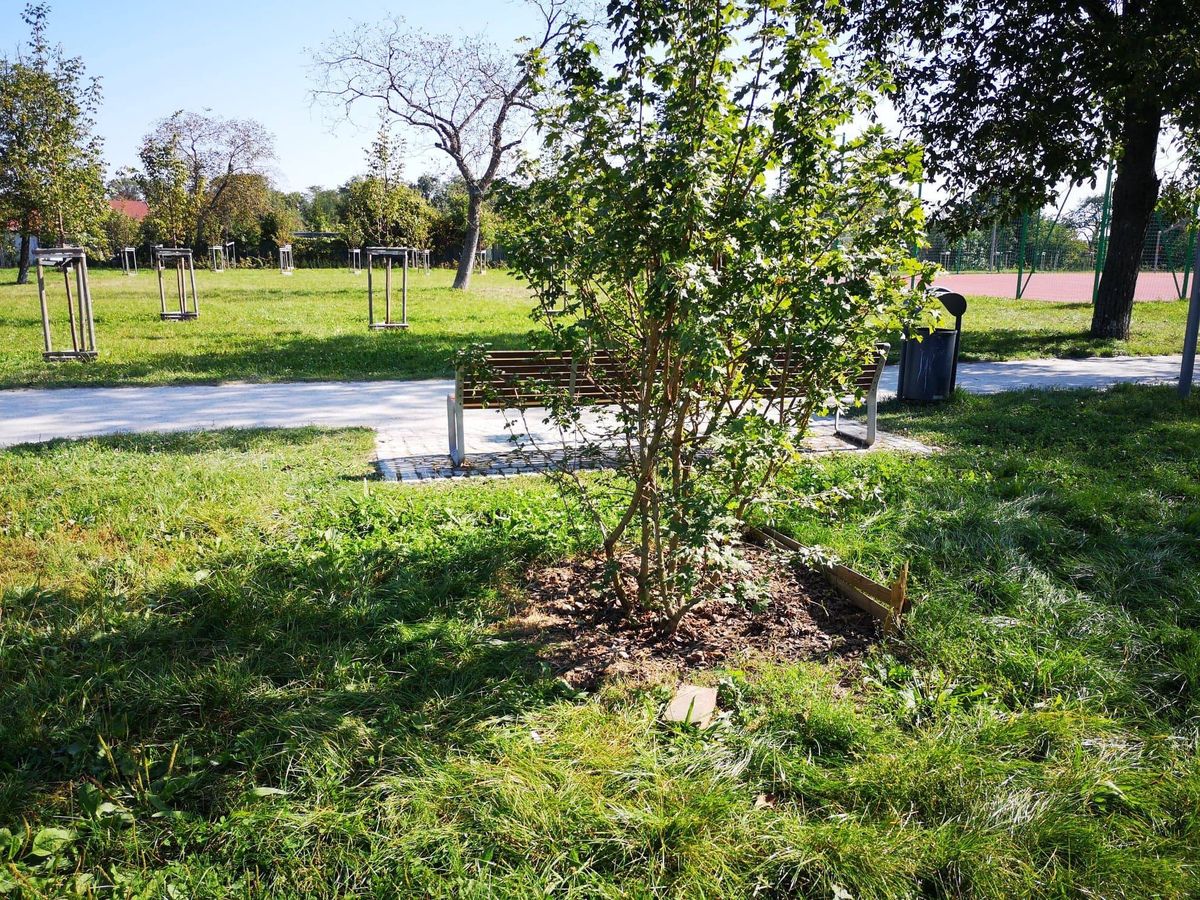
(524, 378)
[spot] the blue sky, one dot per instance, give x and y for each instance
(244, 59)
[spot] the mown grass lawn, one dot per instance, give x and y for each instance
(997, 328)
(263, 326)
(231, 666)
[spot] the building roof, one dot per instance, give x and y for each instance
(135, 209)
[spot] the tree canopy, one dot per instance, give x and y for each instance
(217, 154)
(695, 218)
(470, 95)
(51, 172)
(1011, 98)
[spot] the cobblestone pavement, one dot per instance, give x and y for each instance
(409, 417)
(528, 460)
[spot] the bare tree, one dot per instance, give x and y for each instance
(216, 152)
(474, 97)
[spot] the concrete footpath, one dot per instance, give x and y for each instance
(409, 417)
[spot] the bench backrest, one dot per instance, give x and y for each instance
(519, 378)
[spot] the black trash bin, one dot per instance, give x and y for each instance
(929, 357)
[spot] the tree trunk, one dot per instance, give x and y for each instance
(23, 257)
(1135, 194)
(466, 262)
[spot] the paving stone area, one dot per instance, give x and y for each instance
(409, 417)
(534, 461)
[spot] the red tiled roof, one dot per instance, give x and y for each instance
(135, 209)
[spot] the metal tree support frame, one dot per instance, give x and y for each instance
(355, 261)
(1191, 333)
(286, 263)
(481, 260)
(129, 260)
(218, 258)
(388, 255)
(79, 307)
(185, 271)
(231, 253)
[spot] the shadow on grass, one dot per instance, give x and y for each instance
(1054, 541)
(196, 443)
(1017, 343)
(344, 660)
(369, 356)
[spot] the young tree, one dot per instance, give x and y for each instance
(120, 231)
(470, 94)
(1012, 97)
(216, 152)
(700, 231)
(279, 225)
(164, 183)
(236, 212)
(51, 174)
(381, 209)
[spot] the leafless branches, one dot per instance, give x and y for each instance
(472, 96)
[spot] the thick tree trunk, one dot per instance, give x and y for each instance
(466, 262)
(1135, 194)
(23, 259)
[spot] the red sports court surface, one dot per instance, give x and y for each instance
(1064, 287)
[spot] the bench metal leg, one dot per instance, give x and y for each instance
(869, 439)
(454, 426)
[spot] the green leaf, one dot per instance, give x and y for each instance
(10, 844)
(268, 792)
(50, 841)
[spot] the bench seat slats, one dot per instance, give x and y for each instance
(532, 377)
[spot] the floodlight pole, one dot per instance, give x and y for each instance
(1188, 367)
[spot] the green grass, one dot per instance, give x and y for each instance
(231, 666)
(997, 328)
(262, 326)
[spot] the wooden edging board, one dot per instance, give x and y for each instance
(886, 602)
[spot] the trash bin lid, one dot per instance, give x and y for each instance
(955, 303)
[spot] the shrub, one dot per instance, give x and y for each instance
(697, 214)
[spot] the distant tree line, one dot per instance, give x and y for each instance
(206, 181)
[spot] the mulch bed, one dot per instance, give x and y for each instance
(795, 616)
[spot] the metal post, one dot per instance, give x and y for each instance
(70, 310)
(387, 293)
(1021, 255)
(41, 277)
(1102, 234)
(1187, 260)
(181, 286)
(1188, 367)
(87, 293)
(81, 302)
(195, 299)
(162, 293)
(404, 292)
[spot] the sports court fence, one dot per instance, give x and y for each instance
(1058, 253)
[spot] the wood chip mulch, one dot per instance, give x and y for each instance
(792, 615)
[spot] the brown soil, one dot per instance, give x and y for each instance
(795, 616)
